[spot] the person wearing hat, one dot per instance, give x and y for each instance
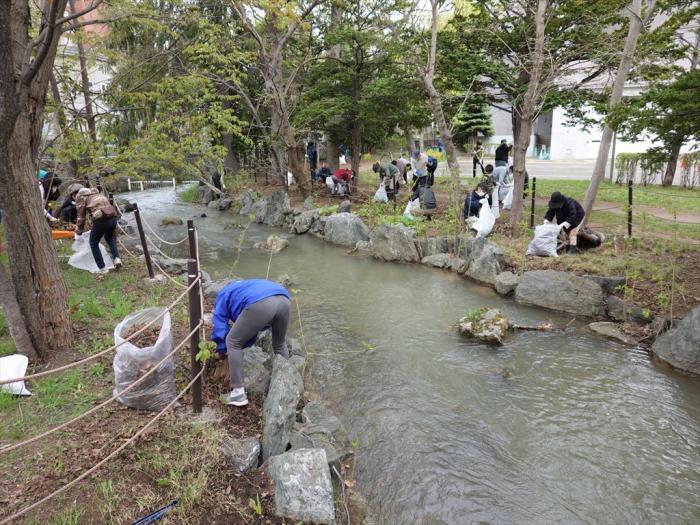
(477, 158)
(104, 224)
(389, 174)
(419, 163)
(502, 152)
(569, 214)
(69, 211)
(49, 189)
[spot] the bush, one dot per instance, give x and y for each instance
(189, 194)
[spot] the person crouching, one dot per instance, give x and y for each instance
(569, 214)
(252, 305)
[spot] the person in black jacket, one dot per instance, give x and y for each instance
(502, 152)
(569, 214)
(472, 204)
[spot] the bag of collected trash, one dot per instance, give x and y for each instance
(82, 254)
(428, 200)
(410, 207)
(508, 197)
(330, 183)
(544, 243)
(12, 366)
(484, 224)
(290, 178)
(380, 195)
(137, 356)
(494, 203)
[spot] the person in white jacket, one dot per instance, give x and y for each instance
(419, 163)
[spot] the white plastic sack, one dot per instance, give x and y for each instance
(131, 362)
(82, 254)
(12, 366)
(412, 205)
(544, 243)
(290, 178)
(484, 224)
(494, 203)
(508, 198)
(330, 183)
(380, 195)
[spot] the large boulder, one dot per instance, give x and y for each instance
(279, 409)
(393, 243)
(487, 325)
(621, 311)
(439, 260)
(433, 246)
(303, 222)
(259, 210)
(205, 195)
(303, 488)
(561, 291)
(241, 453)
(612, 330)
(318, 228)
(171, 266)
(309, 203)
(212, 289)
(320, 428)
(171, 221)
(680, 346)
(276, 209)
(458, 265)
(609, 285)
(345, 229)
(486, 260)
(273, 244)
(247, 201)
(214, 205)
(506, 283)
(124, 205)
(257, 365)
(224, 204)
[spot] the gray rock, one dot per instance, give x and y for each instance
(303, 489)
(439, 260)
(171, 266)
(304, 221)
(214, 205)
(124, 205)
(364, 247)
(264, 341)
(359, 510)
(393, 243)
(205, 277)
(318, 228)
(257, 365)
(171, 221)
(205, 195)
(276, 209)
(345, 206)
(345, 229)
(487, 325)
(212, 289)
(322, 429)
(458, 265)
(621, 311)
(680, 346)
(433, 246)
(241, 454)
(247, 201)
(285, 280)
(279, 409)
(294, 347)
(609, 285)
(299, 363)
(660, 324)
(224, 204)
(309, 203)
(612, 330)
(506, 283)
(561, 291)
(486, 260)
(273, 244)
(259, 209)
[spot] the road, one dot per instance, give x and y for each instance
(544, 169)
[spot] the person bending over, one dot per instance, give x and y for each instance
(90, 201)
(569, 214)
(252, 305)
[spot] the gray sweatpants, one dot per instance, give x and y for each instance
(273, 312)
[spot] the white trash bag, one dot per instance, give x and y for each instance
(412, 205)
(12, 366)
(544, 243)
(380, 195)
(484, 224)
(131, 362)
(508, 198)
(330, 183)
(494, 203)
(290, 178)
(82, 254)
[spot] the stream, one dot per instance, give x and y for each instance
(560, 427)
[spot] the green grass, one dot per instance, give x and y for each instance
(189, 194)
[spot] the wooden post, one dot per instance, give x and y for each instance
(532, 205)
(629, 208)
(144, 244)
(174, 183)
(195, 318)
(141, 182)
(128, 181)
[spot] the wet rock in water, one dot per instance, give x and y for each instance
(257, 371)
(393, 243)
(205, 195)
(612, 330)
(680, 345)
(259, 210)
(363, 247)
(203, 215)
(321, 428)
(609, 285)
(458, 265)
(303, 488)
(345, 229)
(171, 266)
(318, 228)
(619, 310)
(433, 246)
(224, 204)
(205, 277)
(279, 409)
(275, 209)
(486, 260)
(439, 260)
(212, 289)
(302, 223)
(213, 204)
(124, 205)
(309, 203)
(487, 325)
(247, 201)
(561, 291)
(345, 206)
(171, 221)
(506, 283)
(299, 363)
(285, 280)
(294, 347)
(273, 244)
(241, 453)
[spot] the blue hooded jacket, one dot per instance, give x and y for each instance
(236, 297)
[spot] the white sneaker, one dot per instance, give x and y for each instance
(117, 263)
(236, 398)
(100, 271)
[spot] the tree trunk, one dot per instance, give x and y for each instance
(633, 32)
(409, 141)
(672, 163)
(356, 146)
(332, 153)
(84, 78)
(13, 315)
(523, 117)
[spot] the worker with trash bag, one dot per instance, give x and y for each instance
(569, 215)
(90, 202)
(252, 305)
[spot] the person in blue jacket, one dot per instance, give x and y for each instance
(252, 305)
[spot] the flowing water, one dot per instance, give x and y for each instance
(561, 427)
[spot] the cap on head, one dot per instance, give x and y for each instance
(489, 168)
(375, 167)
(83, 191)
(74, 188)
(504, 141)
(556, 201)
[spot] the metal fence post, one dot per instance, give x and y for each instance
(195, 311)
(532, 204)
(141, 182)
(144, 244)
(629, 208)
(128, 181)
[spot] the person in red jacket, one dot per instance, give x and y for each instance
(342, 178)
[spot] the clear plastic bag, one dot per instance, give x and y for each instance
(131, 362)
(508, 197)
(12, 366)
(82, 254)
(380, 195)
(412, 205)
(484, 224)
(544, 243)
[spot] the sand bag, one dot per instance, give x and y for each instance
(508, 196)
(380, 195)
(82, 254)
(12, 366)
(544, 243)
(484, 224)
(132, 361)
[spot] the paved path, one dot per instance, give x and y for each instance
(546, 169)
